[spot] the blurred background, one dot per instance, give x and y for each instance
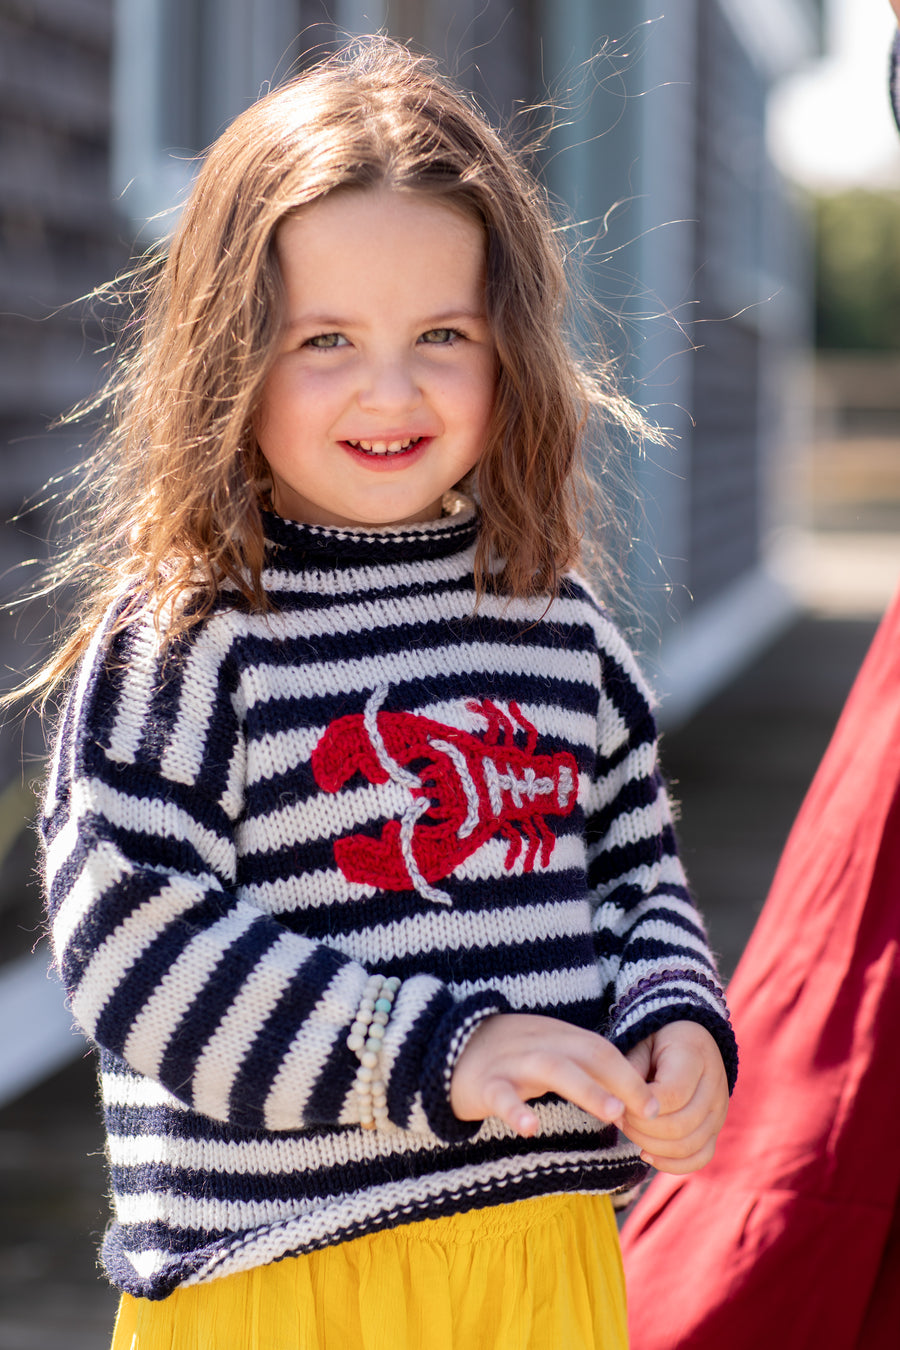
(735, 174)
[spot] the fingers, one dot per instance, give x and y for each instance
(513, 1058)
(639, 1055)
(674, 1118)
(602, 1082)
(593, 1083)
(682, 1141)
(681, 1167)
(675, 1075)
(684, 1062)
(674, 1138)
(502, 1101)
(677, 1148)
(688, 1077)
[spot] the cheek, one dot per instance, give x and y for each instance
(473, 391)
(286, 399)
(306, 394)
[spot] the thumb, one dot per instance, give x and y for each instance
(641, 1058)
(676, 1071)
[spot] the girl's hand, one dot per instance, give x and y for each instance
(682, 1065)
(895, 6)
(512, 1057)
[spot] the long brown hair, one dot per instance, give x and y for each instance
(175, 488)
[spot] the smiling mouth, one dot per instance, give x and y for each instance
(386, 448)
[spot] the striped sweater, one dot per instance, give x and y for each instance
(378, 776)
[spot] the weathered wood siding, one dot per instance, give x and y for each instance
(57, 225)
(58, 240)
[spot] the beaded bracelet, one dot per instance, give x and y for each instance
(365, 1040)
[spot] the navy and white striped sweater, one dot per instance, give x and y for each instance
(372, 778)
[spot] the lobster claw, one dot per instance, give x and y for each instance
(374, 859)
(390, 861)
(344, 750)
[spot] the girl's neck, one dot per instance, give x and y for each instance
(296, 546)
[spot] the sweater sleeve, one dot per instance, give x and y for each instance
(238, 1016)
(651, 942)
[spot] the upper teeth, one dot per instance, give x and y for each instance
(384, 447)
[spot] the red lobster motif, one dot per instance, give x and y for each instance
(462, 790)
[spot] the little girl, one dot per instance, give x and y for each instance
(360, 869)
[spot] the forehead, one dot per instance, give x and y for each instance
(364, 239)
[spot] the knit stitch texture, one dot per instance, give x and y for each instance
(376, 777)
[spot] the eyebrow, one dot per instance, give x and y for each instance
(334, 323)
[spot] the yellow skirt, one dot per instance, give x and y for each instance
(541, 1274)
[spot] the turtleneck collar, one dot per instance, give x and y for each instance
(295, 546)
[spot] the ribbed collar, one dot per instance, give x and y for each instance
(295, 547)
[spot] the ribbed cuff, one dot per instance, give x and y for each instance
(447, 1044)
(674, 996)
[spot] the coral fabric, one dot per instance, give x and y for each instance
(791, 1235)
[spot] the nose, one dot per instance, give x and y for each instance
(389, 386)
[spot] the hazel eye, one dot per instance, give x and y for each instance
(325, 342)
(440, 337)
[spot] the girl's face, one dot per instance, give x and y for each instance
(380, 397)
